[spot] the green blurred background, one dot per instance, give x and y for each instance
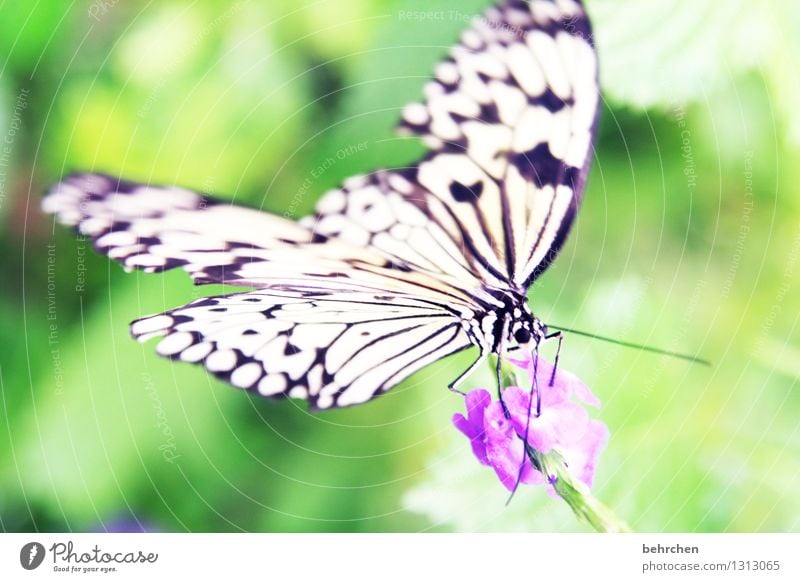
(689, 239)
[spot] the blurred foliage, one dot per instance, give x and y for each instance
(689, 238)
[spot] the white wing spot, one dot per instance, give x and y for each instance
(471, 39)
(332, 201)
(447, 72)
(325, 401)
(151, 324)
(196, 352)
(416, 113)
(117, 239)
(221, 361)
(174, 343)
(400, 184)
(247, 375)
(544, 47)
(146, 260)
(298, 392)
(526, 70)
(272, 385)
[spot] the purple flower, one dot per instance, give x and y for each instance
(497, 438)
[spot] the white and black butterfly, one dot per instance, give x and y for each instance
(397, 268)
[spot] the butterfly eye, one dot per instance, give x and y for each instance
(522, 335)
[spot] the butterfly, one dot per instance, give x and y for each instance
(395, 269)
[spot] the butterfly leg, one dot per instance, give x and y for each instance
(560, 336)
(500, 350)
(534, 390)
(463, 376)
(535, 393)
(499, 372)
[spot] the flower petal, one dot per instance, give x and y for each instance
(571, 424)
(477, 439)
(477, 401)
(472, 425)
(582, 457)
(578, 389)
(542, 430)
(497, 433)
(565, 384)
(504, 449)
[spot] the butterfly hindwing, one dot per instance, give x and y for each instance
(333, 348)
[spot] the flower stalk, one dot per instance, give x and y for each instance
(584, 505)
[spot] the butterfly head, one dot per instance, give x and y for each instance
(525, 329)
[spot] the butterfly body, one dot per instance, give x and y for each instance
(398, 268)
(510, 322)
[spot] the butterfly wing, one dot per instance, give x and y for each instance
(332, 322)
(509, 120)
(335, 348)
(156, 228)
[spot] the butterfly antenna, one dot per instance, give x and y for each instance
(687, 357)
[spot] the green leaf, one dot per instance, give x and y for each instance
(665, 52)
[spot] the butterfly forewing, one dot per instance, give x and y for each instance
(155, 228)
(510, 118)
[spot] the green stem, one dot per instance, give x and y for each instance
(577, 495)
